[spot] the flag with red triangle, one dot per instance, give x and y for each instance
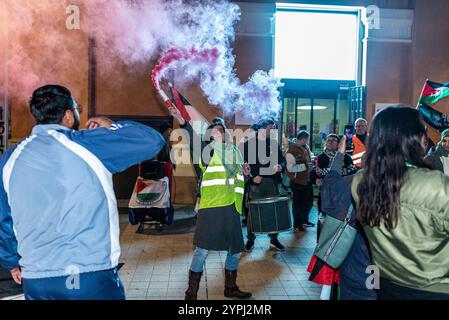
(433, 92)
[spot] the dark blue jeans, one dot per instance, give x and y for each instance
(100, 285)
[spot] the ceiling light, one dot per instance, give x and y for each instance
(308, 107)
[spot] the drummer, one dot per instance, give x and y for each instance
(266, 175)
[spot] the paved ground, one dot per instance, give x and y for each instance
(157, 264)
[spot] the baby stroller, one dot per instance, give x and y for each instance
(150, 202)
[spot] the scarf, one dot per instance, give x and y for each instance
(330, 154)
(231, 158)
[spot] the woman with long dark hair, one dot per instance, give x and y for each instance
(404, 208)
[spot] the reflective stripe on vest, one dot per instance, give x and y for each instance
(359, 151)
(216, 182)
(216, 169)
(239, 190)
(357, 158)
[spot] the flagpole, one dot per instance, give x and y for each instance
(422, 91)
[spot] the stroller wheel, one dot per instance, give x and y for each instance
(160, 228)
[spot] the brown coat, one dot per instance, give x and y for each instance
(297, 155)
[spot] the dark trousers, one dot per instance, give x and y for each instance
(392, 291)
(100, 285)
(252, 236)
(302, 203)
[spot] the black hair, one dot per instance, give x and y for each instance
(215, 124)
(218, 120)
(255, 127)
(49, 104)
(164, 127)
(265, 122)
(395, 142)
(302, 134)
(208, 134)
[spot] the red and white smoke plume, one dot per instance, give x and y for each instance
(191, 37)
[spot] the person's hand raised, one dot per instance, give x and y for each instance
(342, 145)
(97, 122)
(177, 115)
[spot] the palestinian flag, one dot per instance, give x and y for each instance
(193, 116)
(321, 273)
(150, 191)
(434, 118)
(433, 92)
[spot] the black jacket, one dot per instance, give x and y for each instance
(323, 162)
(250, 152)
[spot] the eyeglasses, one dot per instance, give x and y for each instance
(361, 126)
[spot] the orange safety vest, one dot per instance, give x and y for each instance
(359, 151)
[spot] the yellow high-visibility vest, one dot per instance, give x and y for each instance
(219, 191)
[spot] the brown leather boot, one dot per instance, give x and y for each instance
(231, 289)
(194, 284)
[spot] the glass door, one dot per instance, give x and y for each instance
(323, 123)
(318, 116)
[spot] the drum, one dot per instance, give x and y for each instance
(270, 215)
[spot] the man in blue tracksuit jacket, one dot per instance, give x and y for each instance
(59, 228)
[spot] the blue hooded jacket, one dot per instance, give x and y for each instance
(58, 211)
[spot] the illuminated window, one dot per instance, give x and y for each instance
(314, 44)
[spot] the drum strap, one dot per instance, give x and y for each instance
(284, 187)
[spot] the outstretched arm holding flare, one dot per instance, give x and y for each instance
(185, 124)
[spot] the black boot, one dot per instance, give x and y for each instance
(231, 289)
(194, 284)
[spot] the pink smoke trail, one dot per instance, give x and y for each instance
(257, 97)
(175, 55)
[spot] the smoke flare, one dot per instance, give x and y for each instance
(192, 37)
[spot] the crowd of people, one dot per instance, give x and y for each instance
(59, 219)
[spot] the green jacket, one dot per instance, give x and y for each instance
(416, 253)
